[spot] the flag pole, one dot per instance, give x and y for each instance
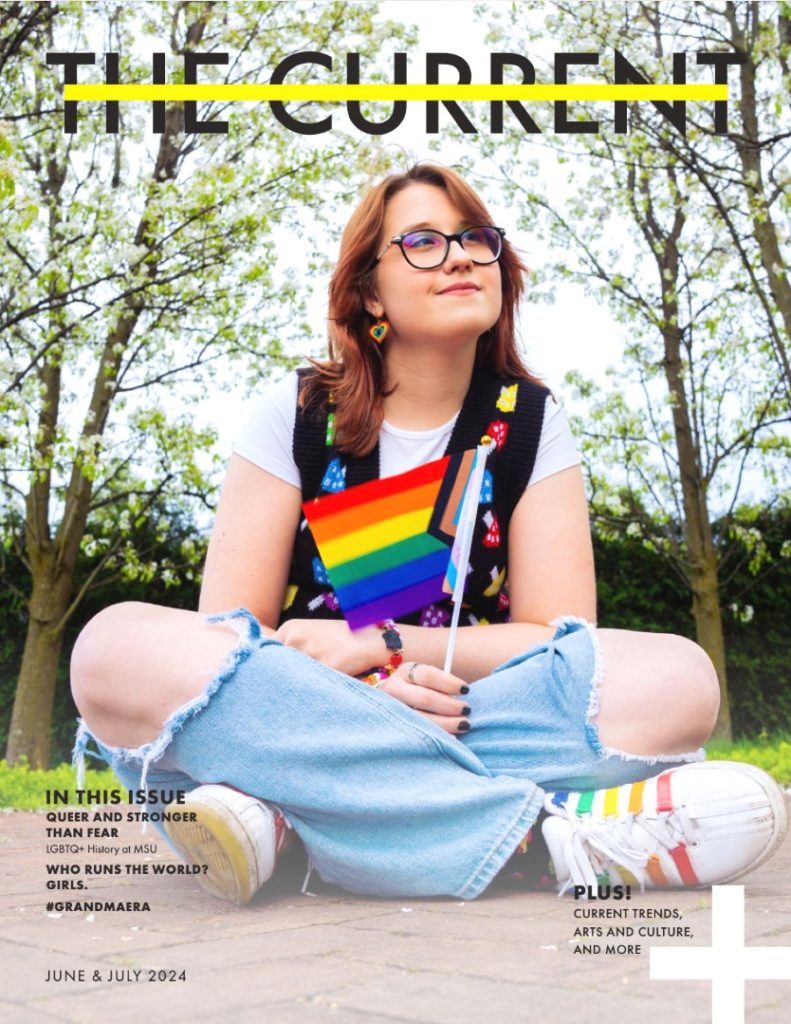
(463, 543)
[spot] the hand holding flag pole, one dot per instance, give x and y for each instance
(460, 554)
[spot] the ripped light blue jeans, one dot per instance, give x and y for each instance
(385, 801)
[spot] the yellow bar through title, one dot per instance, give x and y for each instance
(389, 93)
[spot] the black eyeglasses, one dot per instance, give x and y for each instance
(427, 249)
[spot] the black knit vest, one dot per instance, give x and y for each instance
(510, 411)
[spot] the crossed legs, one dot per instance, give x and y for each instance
(134, 664)
(385, 802)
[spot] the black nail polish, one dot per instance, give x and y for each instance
(466, 711)
(464, 726)
(464, 689)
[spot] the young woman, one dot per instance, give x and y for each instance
(413, 781)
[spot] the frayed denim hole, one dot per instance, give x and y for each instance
(689, 757)
(81, 741)
(594, 707)
(566, 624)
(241, 621)
(249, 631)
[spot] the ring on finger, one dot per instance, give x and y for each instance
(411, 672)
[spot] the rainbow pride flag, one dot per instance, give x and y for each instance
(386, 544)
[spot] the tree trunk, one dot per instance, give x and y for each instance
(704, 568)
(31, 720)
(708, 628)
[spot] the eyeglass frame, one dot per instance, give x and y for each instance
(399, 241)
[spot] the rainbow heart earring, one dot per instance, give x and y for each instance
(380, 330)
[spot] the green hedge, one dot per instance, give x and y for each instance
(638, 590)
(25, 788)
(771, 754)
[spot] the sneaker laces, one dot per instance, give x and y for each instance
(611, 841)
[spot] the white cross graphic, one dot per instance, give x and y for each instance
(727, 963)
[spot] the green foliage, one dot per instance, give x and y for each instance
(772, 753)
(142, 274)
(756, 603)
(25, 788)
(168, 542)
(639, 589)
(680, 233)
(649, 223)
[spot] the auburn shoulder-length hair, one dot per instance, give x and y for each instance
(354, 374)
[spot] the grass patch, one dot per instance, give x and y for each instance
(25, 788)
(772, 753)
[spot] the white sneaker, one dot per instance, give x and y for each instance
(696, 825)
(236, 836)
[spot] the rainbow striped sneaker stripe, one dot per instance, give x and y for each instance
(694, 825)
(610, 803)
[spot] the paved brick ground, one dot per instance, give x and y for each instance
(335, 958)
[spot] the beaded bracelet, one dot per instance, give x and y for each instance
(395, 645)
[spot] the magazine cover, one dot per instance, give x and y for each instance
(394, 511)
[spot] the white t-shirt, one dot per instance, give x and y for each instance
(266, 438)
